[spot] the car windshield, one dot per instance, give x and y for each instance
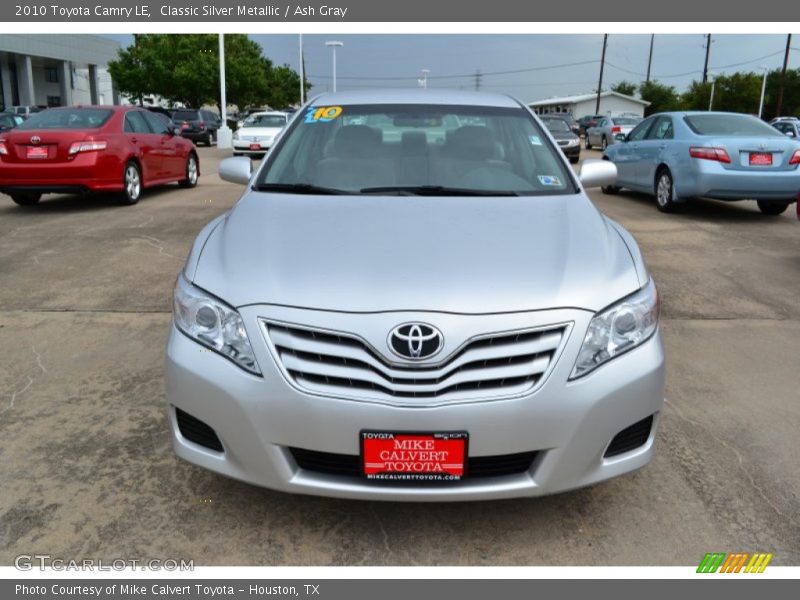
(7, 121)
(264, 121)
(184, 115)
(556, 125)
(625, 121)
(67, 118)
(416, 149)
(729, 125)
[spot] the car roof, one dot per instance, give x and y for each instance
(416, 96)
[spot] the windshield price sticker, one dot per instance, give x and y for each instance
(322, 114)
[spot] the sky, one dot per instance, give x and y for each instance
(545, 65)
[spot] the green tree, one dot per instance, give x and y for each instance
(185, 68)
(624, 87)
(661, 97)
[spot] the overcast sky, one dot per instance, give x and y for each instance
(369, 61)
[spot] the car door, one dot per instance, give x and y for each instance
(596, 132)
(145, 144)
(653, 150)
(626, 155)
(172, 161)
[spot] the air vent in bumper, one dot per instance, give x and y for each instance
(196, 431)
(630, 438)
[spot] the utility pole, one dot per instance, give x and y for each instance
(779, 106)
(478, 78)
(708, 51)
(650, 59)
(602, 65)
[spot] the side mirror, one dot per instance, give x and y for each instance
(598, 173)
(621, 137)
(236, 170)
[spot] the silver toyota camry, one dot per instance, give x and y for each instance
(414, 299)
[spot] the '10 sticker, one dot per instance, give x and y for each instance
(322, 114)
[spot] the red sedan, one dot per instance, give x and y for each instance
(82, 149)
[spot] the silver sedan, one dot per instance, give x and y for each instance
(393, 314)
(607, 130)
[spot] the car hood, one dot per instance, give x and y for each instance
(259, 131)
(563, 135)
(381, 253)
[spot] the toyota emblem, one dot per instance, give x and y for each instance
(35, 139)
(416, 341)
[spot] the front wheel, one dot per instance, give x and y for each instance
(587, 143)
(26, 198)
(665, 192)
(772, 208)
(191, 173)
(574, 159)
(131, 184)
(604, 143)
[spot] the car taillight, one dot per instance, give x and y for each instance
(795, 160)
(3, 149)
(202, 125)
(616, 129)
(92, 146)
(718, 154)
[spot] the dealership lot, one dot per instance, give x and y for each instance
(87, 467)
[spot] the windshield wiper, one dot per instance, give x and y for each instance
(434, 190)
(297, 188)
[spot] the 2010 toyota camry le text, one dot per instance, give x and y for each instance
(414, 299)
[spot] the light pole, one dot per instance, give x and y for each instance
(224, 134)
(423, 83)
(302, 74)
(763, 90)
(333, 45)
(713, 85)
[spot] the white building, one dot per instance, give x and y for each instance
(55, 70)
(586, 104)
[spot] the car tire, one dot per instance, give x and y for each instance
(772, 208)
(210, 139)
(604, 144)
(131, 184)
(26, 198)
(191, 171)
(665, 191)
(237, 153)
(574, 159)
(587, 143)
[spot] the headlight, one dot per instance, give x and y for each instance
(573, 142)
(619, 328)
(212, 323)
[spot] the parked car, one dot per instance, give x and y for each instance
(257, 132)
(567, 140)
(727, 156)
(121, 150)
(788, 127)
(25, 111)
(391, 317)
(587, 121)
(200, 126)
(9, 120)
(573, 124)
(605, 131)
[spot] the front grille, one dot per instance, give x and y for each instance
(348, 465)
(194, 430)
(563, 142)
(339, 364)
(630, 438)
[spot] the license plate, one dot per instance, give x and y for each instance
(255, 146)
(761, 159)
(387, 456)
(37, 152)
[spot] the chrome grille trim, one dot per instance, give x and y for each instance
(343, 365)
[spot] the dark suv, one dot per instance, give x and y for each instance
(197, 125)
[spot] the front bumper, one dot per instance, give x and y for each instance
(570, 424)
